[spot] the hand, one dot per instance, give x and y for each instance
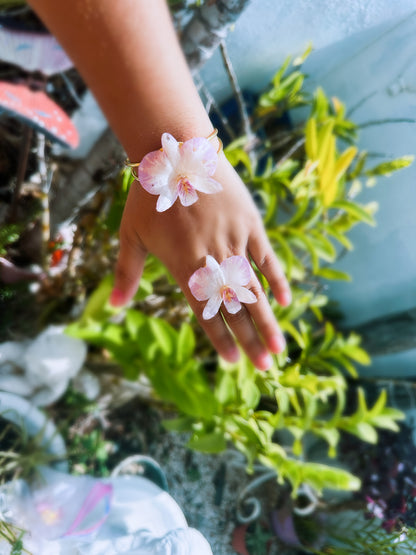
(222, 224)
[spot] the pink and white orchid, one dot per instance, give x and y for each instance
(223, 282)
(179, 170)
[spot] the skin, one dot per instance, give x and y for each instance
(127, 52)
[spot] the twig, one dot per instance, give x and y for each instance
(21, 168)
(384, 121)
(45, 183)
(212, 105)
(238, 94)
(360, 103)
(291, 151)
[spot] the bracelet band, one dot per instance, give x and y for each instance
(134, 165)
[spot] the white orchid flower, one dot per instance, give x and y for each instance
(223, 282)
(179, 170)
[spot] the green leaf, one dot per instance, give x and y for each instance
(181, 424)
(311, 139)
(186, 343)
(135, 320)
(226, 389)
(358, 354)
(250, 394)
(213, 442)
(302, 241)
(290, 328)
(321, 104)
(387, 168)
(300, 59)
(285, 254)
(323, 246)
(164, 335)
(363, 430)
(344, 161)
(355, 210)
(321, 476)
(238, 155)
(340, 237)
(97, 307)
(331, 436)
(331, 273)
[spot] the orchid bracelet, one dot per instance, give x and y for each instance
(179, 169)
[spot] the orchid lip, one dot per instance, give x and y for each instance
(227, 293)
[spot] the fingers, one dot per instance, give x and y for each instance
(265, 321)
(244, 329)
(269, 265)
(254, 327)
(129, 269)
(220, 336)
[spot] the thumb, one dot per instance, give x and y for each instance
(128, 271)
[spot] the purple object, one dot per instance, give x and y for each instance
(33, 52)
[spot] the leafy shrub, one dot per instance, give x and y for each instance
(307, 197)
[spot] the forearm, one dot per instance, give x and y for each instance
(128, 53)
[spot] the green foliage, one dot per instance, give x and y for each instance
(9, 234)
(284, 93)
(352, 534)
(21, 454)
(14, 537)
(309, 206)
(89, 453)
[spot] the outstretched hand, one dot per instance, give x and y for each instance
(223, 224)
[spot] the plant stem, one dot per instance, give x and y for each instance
(239, 98)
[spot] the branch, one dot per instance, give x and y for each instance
(238, 94)
(75, 190)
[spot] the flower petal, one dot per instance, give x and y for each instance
(154, 172)
(236, 270)
(171, 148)
(231, 302)
(165, 201)
(245, 295)
(207, 281)
(198, 156)
(212, 307)
(186, 191)
(205, 184)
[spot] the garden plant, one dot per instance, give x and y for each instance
(306, 179)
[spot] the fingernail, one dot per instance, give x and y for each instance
(277, 343)
(117, 298)
(232, 355)
(264, 362)
(286, 298)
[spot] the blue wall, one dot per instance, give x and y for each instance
(362, 49)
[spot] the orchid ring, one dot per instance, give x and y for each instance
(222, 283)
(179, 170)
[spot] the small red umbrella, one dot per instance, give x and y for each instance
(38, 111)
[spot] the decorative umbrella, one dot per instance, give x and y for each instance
(33, 52)
(38, 111)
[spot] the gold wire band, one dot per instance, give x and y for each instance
(134, 165)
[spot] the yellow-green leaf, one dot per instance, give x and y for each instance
(311, 139)
(344, 161)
